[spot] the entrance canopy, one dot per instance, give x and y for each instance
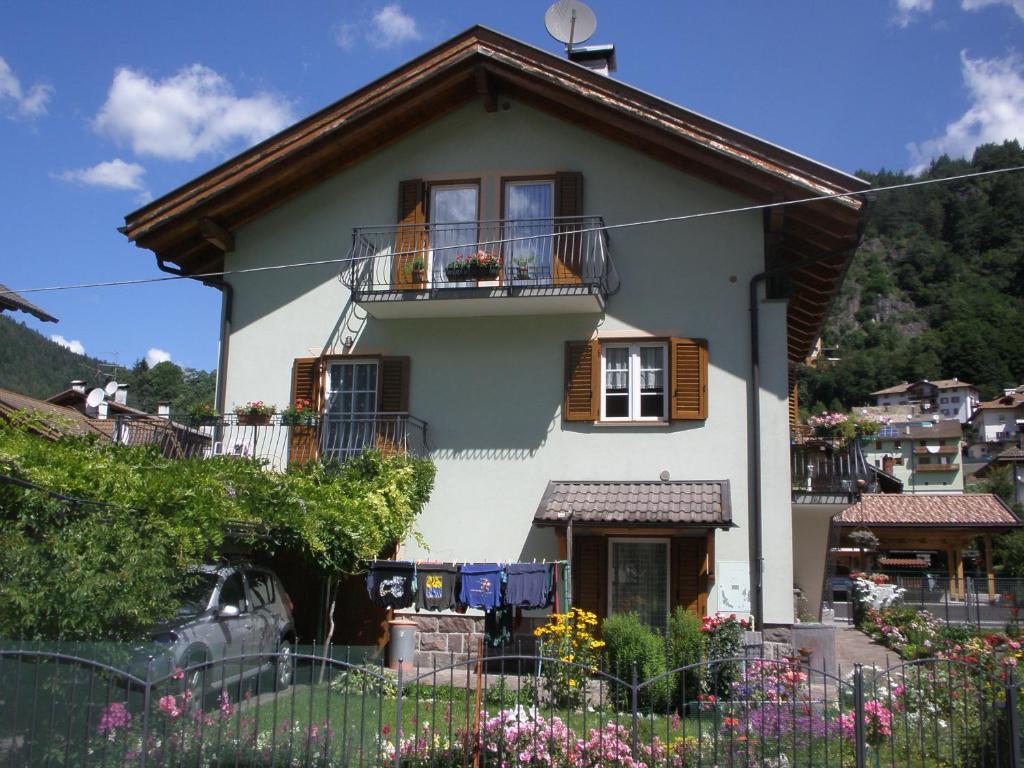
(696, 503)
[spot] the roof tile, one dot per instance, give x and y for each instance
(675, 502)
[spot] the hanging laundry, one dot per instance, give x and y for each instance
(435, 586)
(480, 585)
(498, 626)
(527, 585)
(391, 583)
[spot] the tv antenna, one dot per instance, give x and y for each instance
(570, 22)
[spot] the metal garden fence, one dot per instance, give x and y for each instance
(65, 708)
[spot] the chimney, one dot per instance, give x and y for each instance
(121, 395)
(102, 410)
(78, 385)
(163, 409)
(599, 58)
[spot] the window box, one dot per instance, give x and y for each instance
(253, 419)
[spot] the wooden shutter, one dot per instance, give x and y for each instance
(590, 574)
(688, 379)
(568, 266)
(410, 240)
(392, 398)
(794, 400)
(688, 577)
(302, 442)
(582, 381)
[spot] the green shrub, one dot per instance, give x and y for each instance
(686, 647)
(631, 642)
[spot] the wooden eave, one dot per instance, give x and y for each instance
(483, 65)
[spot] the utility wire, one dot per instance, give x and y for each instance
(74, 501)
(573, 233)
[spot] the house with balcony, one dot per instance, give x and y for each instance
(996, 424)
(614, 394)
(946, 398)
(924, 455)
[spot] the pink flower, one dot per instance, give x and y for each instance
(179, 674)
(169, 706)
(114, 716)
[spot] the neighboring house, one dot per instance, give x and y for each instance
(11, 301)
(48, 420)
(996, 424)
(924, 455)
(927, 532)
(575, 381)
(1013, 460)
(948, 398)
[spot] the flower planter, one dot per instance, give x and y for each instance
(484, 273)
(456, 275)
(419, 276)
(253, 419)
(298, 421)
(522, 273)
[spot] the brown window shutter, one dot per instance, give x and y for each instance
(582, 381)
(410, 240)
(302, 442)
(590, 574)
(688, 378)
(794, 400)
(687, 565)
(568, 266)
(393, 385)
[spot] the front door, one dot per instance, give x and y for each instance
(638, 579)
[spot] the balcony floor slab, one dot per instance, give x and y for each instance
(481, 302)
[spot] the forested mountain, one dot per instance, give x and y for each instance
(936, 289)
(32, 364)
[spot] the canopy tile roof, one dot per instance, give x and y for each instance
(681, 502)
(940, 510)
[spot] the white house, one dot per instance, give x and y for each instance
(996, 424)
(948, 398)
(572, 372)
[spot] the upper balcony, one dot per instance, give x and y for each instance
(829, 469)
(501, 267)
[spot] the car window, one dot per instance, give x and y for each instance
(261, 587)
(195, 593)
(233, 593)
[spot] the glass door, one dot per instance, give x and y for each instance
(638, 576)
(351, 413)
(529, 208)
(453, 229)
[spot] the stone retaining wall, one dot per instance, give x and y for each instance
(443, 639)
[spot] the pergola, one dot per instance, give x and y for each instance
(947, 523)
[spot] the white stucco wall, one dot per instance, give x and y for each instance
(491, 387)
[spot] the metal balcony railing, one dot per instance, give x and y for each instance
(830, 466)
(559, 255)
(271, 439)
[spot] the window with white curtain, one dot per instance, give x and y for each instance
(529, 208)
(351, 406)
(633, 382)
(454, 210)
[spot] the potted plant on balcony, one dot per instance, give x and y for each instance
(254, 413)
(828, 425)
(202, 414)
(300, 413)
(418, 270)
(485, 265)
(523, 268)
(457, 269)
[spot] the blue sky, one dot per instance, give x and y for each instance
(103, 105)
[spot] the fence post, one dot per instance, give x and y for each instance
(147, 697)
(634, 699)
(1012, 719)
(860, 757)
(398, 714)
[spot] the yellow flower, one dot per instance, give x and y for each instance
(572, 683)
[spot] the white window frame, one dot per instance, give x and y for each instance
(633, 388)
(361, 425)
(612, 540)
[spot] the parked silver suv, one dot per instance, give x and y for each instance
(238, 614)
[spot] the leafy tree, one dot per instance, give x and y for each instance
(109, 570)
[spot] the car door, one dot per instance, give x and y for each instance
(237, 631)
(261, 594)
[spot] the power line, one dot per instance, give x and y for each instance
(574, 233)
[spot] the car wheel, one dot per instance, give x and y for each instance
(283, 668)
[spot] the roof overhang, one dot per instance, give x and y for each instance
(191, 228)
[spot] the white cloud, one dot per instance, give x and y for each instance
(996, 113)
(345, 36)
(155, 356)
(74, 344)
(13, 96)
(110, 174)
(906, 10)
(391, 27)
(976, 5)
(188, 114)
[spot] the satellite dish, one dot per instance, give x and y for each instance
(570, 22)
(111, 388)
(94, 398)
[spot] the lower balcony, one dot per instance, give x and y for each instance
(478, 268)
(326, 438)
(937, 468)
(829, 470)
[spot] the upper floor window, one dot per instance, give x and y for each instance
(955, 399)
(453, 213)
(528, 207)
(943, 399)
(633, 382)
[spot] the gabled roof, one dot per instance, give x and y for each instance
(668, 503)
(52, 420)
(1007, 457)
(191, 227)
(1007, 401)
(899, 389)
(938, 510)
(10, 300)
